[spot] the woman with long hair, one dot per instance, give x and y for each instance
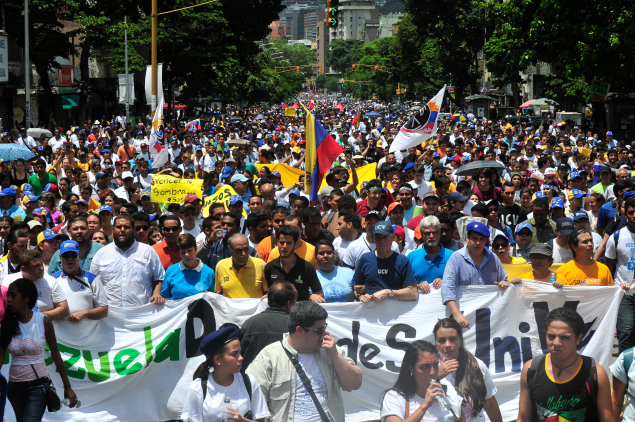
(466, 373)
(219, 378)
(25, 334)
(413, 397)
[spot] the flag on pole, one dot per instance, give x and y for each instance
(193, 126)
(158, 151)
(421, 127)
(321, 152)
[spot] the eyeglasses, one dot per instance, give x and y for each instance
(141, 228)
(434, 233)
(491, 210)
(318, 331)
(500, 246)
(171, 229)
(70, 255)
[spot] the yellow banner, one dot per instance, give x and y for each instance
(289, 112)
(172, 190)
(288, 174)
(515, 271)
(364, 174)
(221, 195)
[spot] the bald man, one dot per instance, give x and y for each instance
(267, 191)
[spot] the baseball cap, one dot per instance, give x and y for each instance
(557, 203)
(26, 187)
(373, 214)
(399, 230)
(383, 228)
(609, 133)
(100, 175)
(28, 197)
(105, 208)
(574, 175)
(605, 169)
(580, 215)
(275, 174)
(565, 226)
(239, 178)
(479, 228)
(146, 192)
(408, 166)
(281, 202)
(541, 249)
(326, 190)
(227, 171)
(294, 192)
(230, 160)
(430, 195)
(50, 188)
(575, 193)
(456, 196)
(234, 199)
(127, 175)
(33, 224)
(8, 192)
(46, 235)
(69, 246)
(190, 198)
(393, 206)
(523, 225)
(550, 171)
(438, 166)
(628, 195)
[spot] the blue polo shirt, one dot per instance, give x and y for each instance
(428, 270)
(378, 274)
(607, 211)
(179, 282)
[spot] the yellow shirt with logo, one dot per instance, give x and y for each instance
(575, 274)
(248, 282)
(530, 276)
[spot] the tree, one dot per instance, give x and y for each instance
(339, 55)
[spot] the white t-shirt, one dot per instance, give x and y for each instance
(340, 244)
(561, 255)
(195, 410)
(625, 263)
(394, 404)
(421, 189)
(304, 407)
(618, 370)
(79, 296)
(48, 291)
(194, 232)
(146, 182)
(489, 386)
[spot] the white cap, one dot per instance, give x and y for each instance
(97, 122)
(126, 174)
(550, 171)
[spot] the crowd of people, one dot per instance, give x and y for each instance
(80, 233)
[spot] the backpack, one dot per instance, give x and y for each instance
(589, 367)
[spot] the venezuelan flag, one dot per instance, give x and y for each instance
(321, 151)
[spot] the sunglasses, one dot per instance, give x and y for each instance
(190, 214)
(170, 229)
(318, 331)
(69, 255)
(500, 246)
(141, 228)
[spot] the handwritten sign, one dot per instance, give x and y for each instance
(221, 195)
(172, 190)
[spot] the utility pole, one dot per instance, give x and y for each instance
(484, 44)
(125, 40)
(27, 68)
(154, 58)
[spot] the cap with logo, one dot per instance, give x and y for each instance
(524, 225)
(106, 208)
(383, 228)
(576, 193)
(69, 246)
(580, 215)
(46, 235)
(479, 228)
(565, 226)
(234, 199)
(557, 203)
(373, 215)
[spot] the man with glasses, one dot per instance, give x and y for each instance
(501, 247)
(523, 246)
(41, 178)
(170, 226)
(84, 291)
(77, 229)
(317, 360)
(189, 214)
(428, 263)
(141, 222)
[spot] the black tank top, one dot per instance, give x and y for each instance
(561, 401)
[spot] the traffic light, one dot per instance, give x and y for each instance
(297, 70)
(353, 68)
(319, 68)
(332, 10)
(342, 83)
(376, 67)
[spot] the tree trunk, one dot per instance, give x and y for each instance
(84, 92)
(515, 94)
(47, 92)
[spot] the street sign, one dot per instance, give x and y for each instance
(599, 88)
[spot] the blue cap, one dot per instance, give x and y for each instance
(276, 174)
(383, 228)
(8, 192)
(105, 151)
(30, 197)
(234, 199)
(227, 171)
(628, 194)
(565, 226)
(100, 175)
(69, 246)
(294, 192)
(40, 148)
(239, 178)
(557, 203)
(48, 188)
(578, 193)
(456, 196)
(214, 341)
(226, 150)
(574, 174)
(105, 208)
(408, 166)
(283, 203)
(540, 195)
(479, 228)
(609, 133)
(580, 215)
(49, 234)
(523, 225)
(199, 148)
(436, 155)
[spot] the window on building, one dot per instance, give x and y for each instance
(351, 19)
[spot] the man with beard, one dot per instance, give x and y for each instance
(428, 263)
(131, 272)
(78, 230)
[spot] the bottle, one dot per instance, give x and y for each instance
(227, 407)
(552, 278)
(67, 402)
(443, 400)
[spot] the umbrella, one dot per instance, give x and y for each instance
(36, 132)
(372, 114)
(259, 117)
(472, 168)
(237, 142)
(11, 152)
(538, 102)
(459, 117)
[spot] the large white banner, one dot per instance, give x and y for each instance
(137, 364)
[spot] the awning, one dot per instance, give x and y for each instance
(67, 101)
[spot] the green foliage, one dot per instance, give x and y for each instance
(340, 53)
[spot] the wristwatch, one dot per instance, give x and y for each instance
(391, 293)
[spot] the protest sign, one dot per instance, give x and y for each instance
(148, 354)
(221, 195)
(172, 190)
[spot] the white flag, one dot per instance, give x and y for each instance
(158, 150)
(421, 127)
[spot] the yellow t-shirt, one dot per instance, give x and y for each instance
(306, 251)
(249, 282)
(452, 187)
(575, 274)
(516, 260)
(530, 276)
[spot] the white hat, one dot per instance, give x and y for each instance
(126, 174)
(97, 122)
(259, 136)
(550, 171)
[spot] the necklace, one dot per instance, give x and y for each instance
(562, 369)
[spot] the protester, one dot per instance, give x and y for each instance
(241, 275)
(189, 276)
(336, 282)
(79, 232)
(309, 352)
(170, 226)
(364, 243)
(583, 270)
(541, 261)
(428, 263)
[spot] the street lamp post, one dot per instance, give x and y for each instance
(27, 68)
